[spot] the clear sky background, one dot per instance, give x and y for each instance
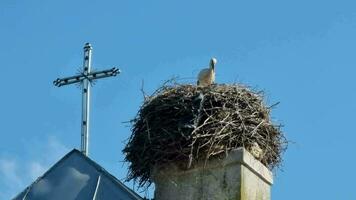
(302, 53)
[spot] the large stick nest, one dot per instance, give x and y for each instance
(184, 124)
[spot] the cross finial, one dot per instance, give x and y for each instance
(85, 78)
(87, 46)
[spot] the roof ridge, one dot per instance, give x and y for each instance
(109, 175)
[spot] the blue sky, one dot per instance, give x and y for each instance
(302, 53)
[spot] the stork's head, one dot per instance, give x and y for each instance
(212, 63)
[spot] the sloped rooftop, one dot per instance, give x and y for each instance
(77, 177)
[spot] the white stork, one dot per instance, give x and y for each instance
(206, 76)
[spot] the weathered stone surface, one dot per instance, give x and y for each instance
(239, 176)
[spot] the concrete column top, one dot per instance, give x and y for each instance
(237, 156)
(244, 157)
(237, 176)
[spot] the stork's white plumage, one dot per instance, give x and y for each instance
(206, 76)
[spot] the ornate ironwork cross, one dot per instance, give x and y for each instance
(85, 78)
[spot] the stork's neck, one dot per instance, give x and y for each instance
(212, 66)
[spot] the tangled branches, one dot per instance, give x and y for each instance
(185, 124)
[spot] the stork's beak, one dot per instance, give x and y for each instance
(213, 62)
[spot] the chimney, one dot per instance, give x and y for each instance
(239, 176)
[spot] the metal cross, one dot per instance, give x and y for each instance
(85, 78)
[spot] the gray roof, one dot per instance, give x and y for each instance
(77, 177)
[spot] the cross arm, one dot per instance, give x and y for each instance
(69, 80)
(104, 73)
(91, 76)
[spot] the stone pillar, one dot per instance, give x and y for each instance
(239, 176)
